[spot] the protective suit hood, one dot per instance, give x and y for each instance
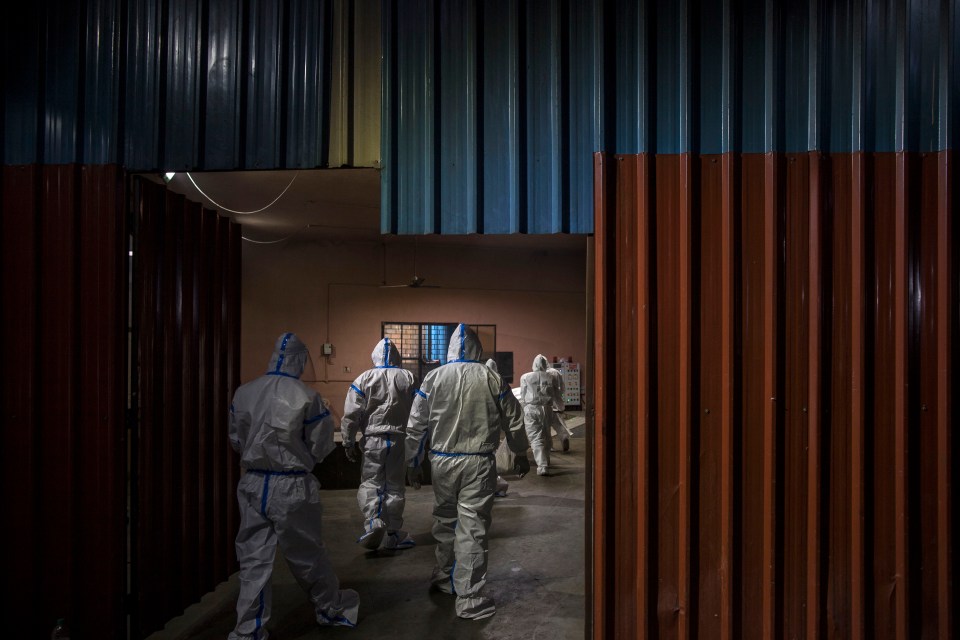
(385, 354)
(540, 363)
(464, 345)
(289, 356)
(492, 364)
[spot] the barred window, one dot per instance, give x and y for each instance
(423, 345)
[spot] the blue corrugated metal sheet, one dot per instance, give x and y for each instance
(457, 91)
(221, 148)
(543, 126)
(180, 46)
(903, 129)
(718, 65)
(500, 118)
(61, 85)
(712, 64)
(21, 87)
(796, 79)
(753, 44)
(925, 38)
(946, 92)
(881, 76)
(858, 132)
(185, 84)
(773, 108)
(673, 79)
(101, 82)
(630, 89)
(839, 44)
(264, 87)
(586, 112)
(416, 174)
(496, 112)
(307, 110)
(556, 76)
(141, 82)
(950, 65)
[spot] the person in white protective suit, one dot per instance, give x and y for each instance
(506, 395)
(539, 392)
(556, 417)
(459, 410)
(282, 428)
(378, 406)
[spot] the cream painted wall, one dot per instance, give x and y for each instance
(329, 292)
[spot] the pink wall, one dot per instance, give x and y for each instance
(330, 292)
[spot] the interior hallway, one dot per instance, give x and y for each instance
(535, 575)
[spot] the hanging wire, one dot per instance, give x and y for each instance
(306, 227)
(298, 231)
(243, 213)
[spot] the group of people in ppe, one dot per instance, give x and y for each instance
(282, 428)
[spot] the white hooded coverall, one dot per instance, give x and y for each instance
(378, 405)
(459, 410)
(506, 395)
(282, 428)
(556, 420)
(539, 391)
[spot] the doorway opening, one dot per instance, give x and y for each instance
(313, 261)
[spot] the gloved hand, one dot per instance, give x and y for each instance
(521, 465)
(415, 476)
(351, 452)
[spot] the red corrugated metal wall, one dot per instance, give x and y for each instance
(187, 318)
(64, 438)
(775, 342)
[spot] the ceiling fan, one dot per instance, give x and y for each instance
(417, 282)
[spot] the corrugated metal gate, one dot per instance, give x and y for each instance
(63, 397)
(776, 336)
(67, 458)
(187, 310)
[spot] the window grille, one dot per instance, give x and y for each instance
(423, 345)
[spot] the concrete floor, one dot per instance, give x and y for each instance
(535, 575)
